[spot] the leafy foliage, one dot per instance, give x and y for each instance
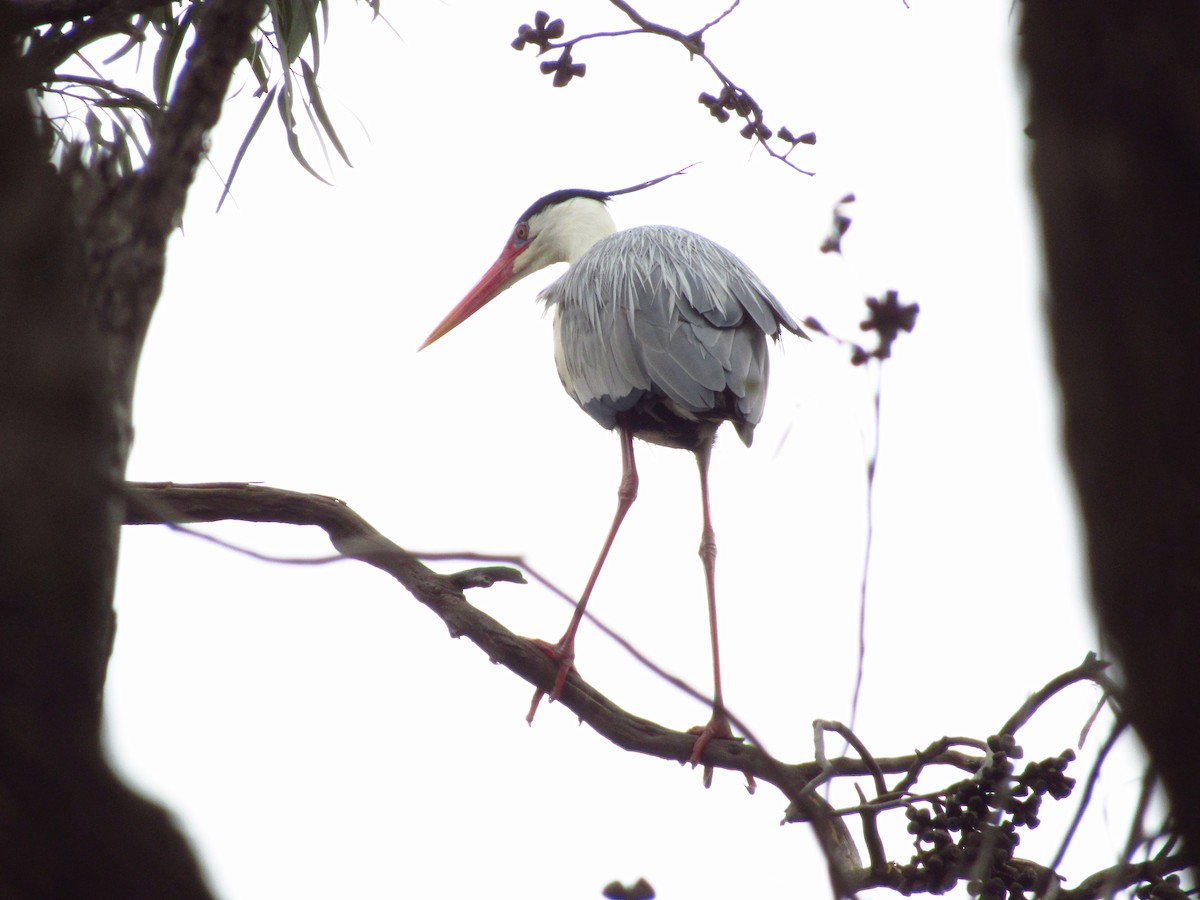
(113, 112)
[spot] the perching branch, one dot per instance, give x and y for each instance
(1001, 799)
(355, 538)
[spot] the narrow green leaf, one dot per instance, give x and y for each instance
(291, 28)
(281, 23)
(297, 35)
(129, 136)
(278, 23)
(253, 130)
(258, 67)
(92, 122)
(168, 54)
(310, 13)
(136, 37)
(289, 124)
(325, 16)
(314, 94)
(317, 131)
(129, 99)
(161, 18)
(124, 159)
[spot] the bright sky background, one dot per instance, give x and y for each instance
(315, 729)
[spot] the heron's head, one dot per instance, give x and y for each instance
(559, 227)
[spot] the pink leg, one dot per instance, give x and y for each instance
(564, 651)
(718, 725)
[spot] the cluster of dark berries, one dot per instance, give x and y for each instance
(887, 317)
(639, 890)
(980, 818)
(785, 134)
(840, 223)
(735, 100)
(1038, 779)
(563, 69)
(540, 33)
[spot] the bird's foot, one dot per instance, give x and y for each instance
(565, 657)
(718, 728)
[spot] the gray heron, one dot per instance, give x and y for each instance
(660, 334)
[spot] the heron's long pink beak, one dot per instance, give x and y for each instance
(494, 280)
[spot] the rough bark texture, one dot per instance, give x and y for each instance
(1115, 116)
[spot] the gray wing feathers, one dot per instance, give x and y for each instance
(661, 310)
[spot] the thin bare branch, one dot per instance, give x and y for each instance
(1107, 882)
(1086, 797)
(1091, 669)
(544, 35)
(717, 20)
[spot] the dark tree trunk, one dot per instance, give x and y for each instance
(68, 827)
(1114, 92)
(82, 254)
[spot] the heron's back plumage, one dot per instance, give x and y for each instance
(665, 330)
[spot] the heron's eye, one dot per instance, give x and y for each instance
(522, 232)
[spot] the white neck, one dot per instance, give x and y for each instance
(574, 226)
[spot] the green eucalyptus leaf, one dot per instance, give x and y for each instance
(314, 95)
(310, 14)
(250, 133)
(291, 27)
(137, 37)
(124, 158)
(289, 123)
(168, 54)
(94, 129)
(259, 68)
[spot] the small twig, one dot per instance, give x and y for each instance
(872, 465)
(1137, 828)
(137, 98)
(718, 19)
(820, 726)
(255, 554)
(565, 69)
(935, 752)
(1088, 787)
(1108, 881)
(485, 576)
(1091, 669)
(876, 852)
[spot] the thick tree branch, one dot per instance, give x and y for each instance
(33, 13)
(355, 538)
(352, 537)
(168, 503)
(48, 51)
(126, 221)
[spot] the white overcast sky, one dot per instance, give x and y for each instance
(316, 730)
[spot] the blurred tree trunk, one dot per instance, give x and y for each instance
(68, 827)
(1114, 91)
(81, 261)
